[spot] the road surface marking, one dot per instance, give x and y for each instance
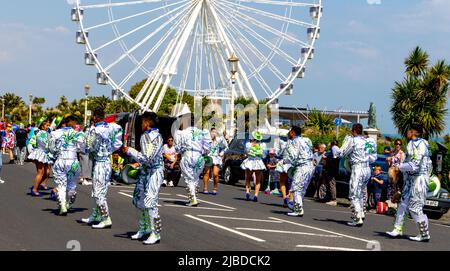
(289, 232)
(319, 229)
(212, 203)
(130, 196)
(332, 248)
(198, 207)
(241, 218)
(226, 229)
(132, 191)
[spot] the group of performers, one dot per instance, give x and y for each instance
(62, 146)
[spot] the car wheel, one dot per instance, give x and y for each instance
(322, 192)
(434, 215)
(228, 175)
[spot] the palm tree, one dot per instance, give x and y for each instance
(417, 62)
(422, 96)
(319, 120)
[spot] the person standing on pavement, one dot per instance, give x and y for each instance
(1, 165)
(103, 139)
(41, 156)
(151, 176)
(218, 147)
(299, 154)
(395, 177)
(193, 144)
(417, 169)
(361, 152)
(21, 147)
(332, 166)
(254, 164)
(64, 144)
(10, 142)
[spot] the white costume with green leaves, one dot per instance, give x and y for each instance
(151, 176)
(64, 144)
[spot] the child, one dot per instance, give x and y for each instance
(274, 175)
(378, 184)
(117, 167)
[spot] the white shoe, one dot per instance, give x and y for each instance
(395, 233)
(356, 223)
(1, 181)
(107, 223)
(420, 238)
(170, 184)
(138, 235)
(298, 213)
(86, 182)
(63, 211)
(332, 203)
(153, 239)
(193, 203)
(164, 183)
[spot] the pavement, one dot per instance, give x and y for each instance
(225, 222)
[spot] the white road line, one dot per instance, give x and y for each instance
(332, 248)
(198, 207)
(319, 229)
(130, 196)
(132, 191)
(212, 203)
(289, 232)
(241, 218)
(226, 229)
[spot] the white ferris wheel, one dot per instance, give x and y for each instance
(221, 49)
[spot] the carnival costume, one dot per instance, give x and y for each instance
(193, 144)
(41, 152)
(298, 154)
(416, 170)
(218, 148)
(64, 144)
(146, 192)
(103, 139)
(360, 152)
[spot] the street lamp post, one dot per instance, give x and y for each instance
(86, 94)
(233, 60)
(30, 95)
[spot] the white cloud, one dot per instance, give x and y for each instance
(357, 48)
(374, 2)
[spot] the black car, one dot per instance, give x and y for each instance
(231, 171)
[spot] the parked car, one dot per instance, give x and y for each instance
(231, 171)
(435, 206)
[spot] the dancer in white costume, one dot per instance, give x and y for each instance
(416, 170)
(193, 144)
(103, 139)
(361, 152)
(218, 147)
(64, 144)
(151, 176)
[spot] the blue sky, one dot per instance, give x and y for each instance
(358, 58)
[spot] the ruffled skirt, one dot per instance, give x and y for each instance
(253, 164)
(40, 156)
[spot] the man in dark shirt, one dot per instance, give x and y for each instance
(21, 138)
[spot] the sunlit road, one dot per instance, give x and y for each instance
(222, 222)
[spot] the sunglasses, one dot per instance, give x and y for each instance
(397, 144)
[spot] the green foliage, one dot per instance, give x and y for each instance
(422, 96)
(321, 121)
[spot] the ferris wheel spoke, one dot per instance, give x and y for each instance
(261, 25)
(280, 3)
(185, 7)
(143, 41)
(261, 57)
(133, 16)
(267, 43)
(120, 4)
(149, 54)
(266, 14)
(251, 32)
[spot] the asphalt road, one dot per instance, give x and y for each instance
(222, 222)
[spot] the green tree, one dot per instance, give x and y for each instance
(422, 96)
(321, 121)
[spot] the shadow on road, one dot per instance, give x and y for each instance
(176, 202)
(71, 211)
(128, 235)
(342, 222)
